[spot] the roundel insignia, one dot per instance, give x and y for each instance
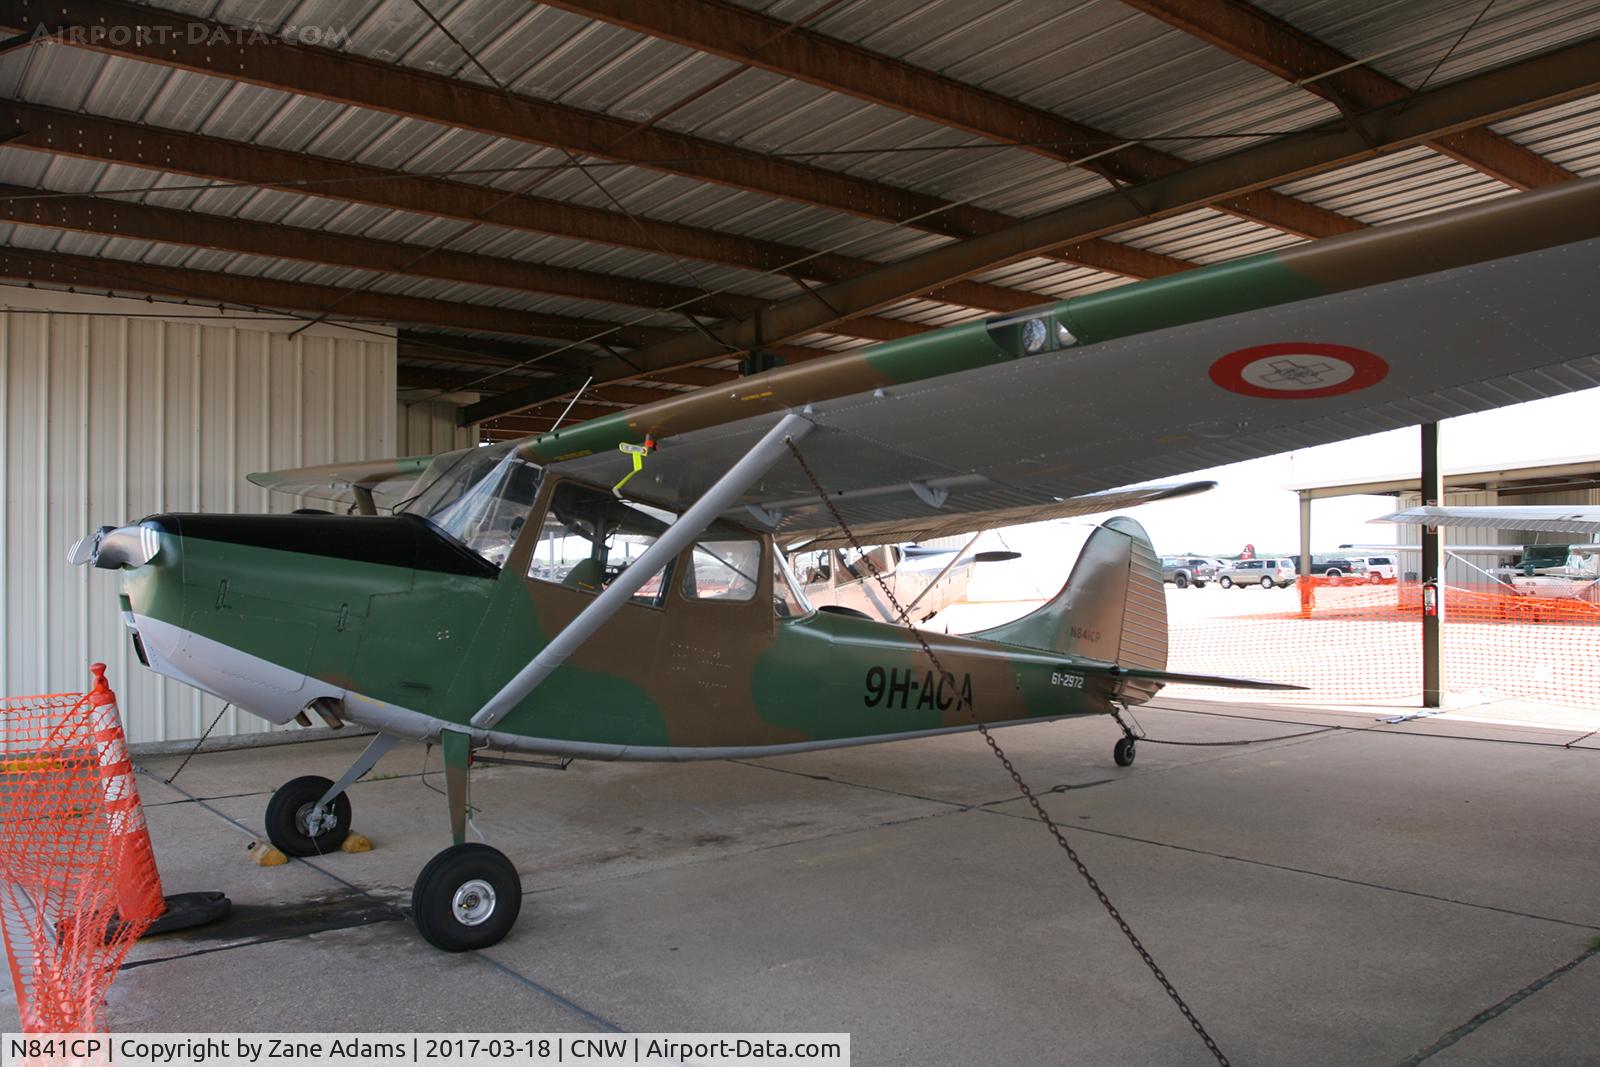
(1298, 370)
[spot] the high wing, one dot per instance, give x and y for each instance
(387, 479)
(1547, 518)
(933, 524)
(1581, 549)
(1008, 419)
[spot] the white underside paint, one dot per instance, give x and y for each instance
(278, 694)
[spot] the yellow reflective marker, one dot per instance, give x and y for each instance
(638, 452)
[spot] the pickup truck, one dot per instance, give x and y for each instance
(1184, 571)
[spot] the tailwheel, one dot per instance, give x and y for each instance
(298, 827)
(1124, 752)
(467, 897)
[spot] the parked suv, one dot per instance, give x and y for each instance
(1184, 571)
(1266, 573)
(1381, 569)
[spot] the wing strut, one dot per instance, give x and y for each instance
(717, 499)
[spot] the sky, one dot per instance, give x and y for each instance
(1251, 504)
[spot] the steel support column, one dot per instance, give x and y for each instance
(1432, 574)
(1306, 596)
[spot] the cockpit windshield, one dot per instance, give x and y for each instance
(479, 496)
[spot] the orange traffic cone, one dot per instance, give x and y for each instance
(140, 901)
(139, 897)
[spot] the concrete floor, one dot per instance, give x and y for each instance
(1364, 895)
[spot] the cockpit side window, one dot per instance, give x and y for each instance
(725, 565)
(589, 537)
(788, 602)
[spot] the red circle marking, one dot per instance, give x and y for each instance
(1365, 369)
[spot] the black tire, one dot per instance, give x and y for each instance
(478, 880)
(1181, 581)
(1374, 578)
(1266, 583)
(1124, 752)
(1225, 582)
(1199, 584)
(287, 812)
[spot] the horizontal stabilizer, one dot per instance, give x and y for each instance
(1180, 678)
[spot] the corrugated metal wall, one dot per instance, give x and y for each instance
(113, 409)
(429, 427)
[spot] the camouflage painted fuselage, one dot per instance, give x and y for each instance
(405, 630)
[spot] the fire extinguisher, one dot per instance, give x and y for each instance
(1430, 599)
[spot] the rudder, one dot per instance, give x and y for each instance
(1112, 608)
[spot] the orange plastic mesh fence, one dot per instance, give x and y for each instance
(1363, 644)
(72, 845)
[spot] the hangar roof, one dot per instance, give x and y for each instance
(1546, 476)
(523, 188)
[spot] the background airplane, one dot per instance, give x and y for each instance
(1560, 570)
(925, 580)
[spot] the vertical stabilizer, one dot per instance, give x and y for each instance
(1113, 607)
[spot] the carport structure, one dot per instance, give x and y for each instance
(655, 196)
(262, 234)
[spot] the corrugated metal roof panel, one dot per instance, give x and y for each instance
(1403, 185)
(1568, 135)
(1407, 40)
(1093, 60)
(1205, 236)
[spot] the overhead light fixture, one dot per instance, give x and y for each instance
(1034, 335)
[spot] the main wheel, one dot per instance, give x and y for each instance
(1373, 577)
(1266, 583)
(1181, 581)
(289, 825)
(466, 897)
(1124, 752)
(1225, 582)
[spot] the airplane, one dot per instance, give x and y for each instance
(924, 580)
(1566, 571)
(681, 633)
(1562, 571)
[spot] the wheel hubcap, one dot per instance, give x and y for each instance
(314, 823)
(473, 903)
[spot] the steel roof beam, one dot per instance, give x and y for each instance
(120, 218)
(530, 363)
(1277, 47)
(37, 128)
(1540, 81)
(208, 47)
(747, 36)
(618, 396)
(562, 377)
(244, 290)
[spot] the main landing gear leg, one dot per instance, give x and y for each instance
(468, 896)
(310, 816)
(1125, 749)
